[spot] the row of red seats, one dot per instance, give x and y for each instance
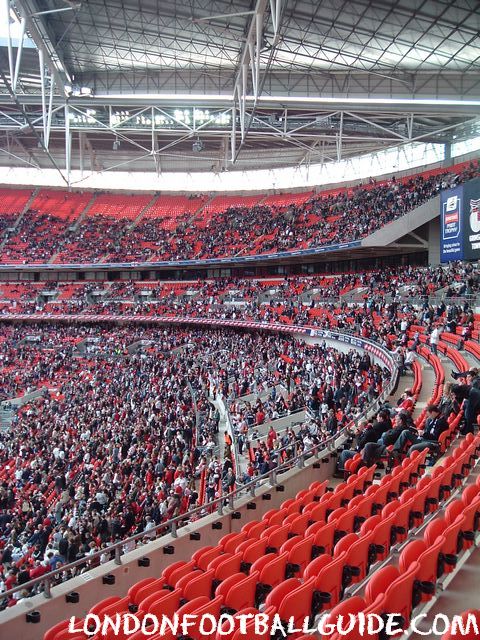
(324, 572)
(436, 396)
(417, 379)
(292, 556)
(398, 590)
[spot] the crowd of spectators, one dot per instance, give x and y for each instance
(324, 219)
(375, 304)
(245, 295)
(117, 443)
(332, 387)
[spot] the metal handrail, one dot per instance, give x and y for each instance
(171, 526)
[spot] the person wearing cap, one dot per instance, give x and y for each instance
(435, 425)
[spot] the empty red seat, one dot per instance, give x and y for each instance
(329, 579)
(57, 628)
(239, 591)
(134, 589)
(469, 494)
(299, 554)
(189, 607)
(417, 501)
(298, 604)
(224, 567)
(271, 573)
(430, 560)
(361, 553)
(471, 513)
(275, 517)
(165, 605)
(397, 590)
(185, 579)
(172, 574)
(230, 542)
(324, 538)
(204, 559)
(299, 524)
(252, 550)
(103, 604)
(344, 521)
(198, 585)
(276, 536)
(453, 540)
(152, 587)
(254, 529)
(401, 513)
(119, 606)
(212, 608)
(383, 533)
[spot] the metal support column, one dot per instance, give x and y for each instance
(68, 144)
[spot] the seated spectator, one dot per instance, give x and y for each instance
(373, 432)
(470, 396)
(435, 425)
(406, 401)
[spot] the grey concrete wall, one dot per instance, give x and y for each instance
(400, 227)
(434, 241)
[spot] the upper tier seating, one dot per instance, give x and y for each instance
(178, 227)
(119, 206)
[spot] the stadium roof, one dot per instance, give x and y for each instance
(224, 85)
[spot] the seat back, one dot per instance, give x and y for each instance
(199, 585)
(242, 594)
(224, 568)
(329, 579)
(164, 605)
(399, 595)
(273, 573)
(297, 604)
(379, 583)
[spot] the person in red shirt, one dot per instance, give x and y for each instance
(260, 417)
(406, 402)
(272, 436)
(38, 570)
(10, 580)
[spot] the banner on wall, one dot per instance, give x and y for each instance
(460, 222)
(471, 197)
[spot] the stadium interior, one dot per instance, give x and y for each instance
(239, 317)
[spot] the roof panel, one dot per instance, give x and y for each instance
(335, 49)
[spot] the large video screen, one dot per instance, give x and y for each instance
(460, 222)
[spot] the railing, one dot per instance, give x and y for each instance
(298, 458)
(416, 299)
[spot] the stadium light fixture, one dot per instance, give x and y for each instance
(78, 92)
